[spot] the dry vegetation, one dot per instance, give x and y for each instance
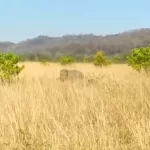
(39, 113)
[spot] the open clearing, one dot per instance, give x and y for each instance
(39, 113)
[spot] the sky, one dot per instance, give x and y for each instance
(24, 19)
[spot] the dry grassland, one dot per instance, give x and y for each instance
(39, 113)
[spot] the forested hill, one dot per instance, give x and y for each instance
(79, 45)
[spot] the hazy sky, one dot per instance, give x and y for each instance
(22, 19)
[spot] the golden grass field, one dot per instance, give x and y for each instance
(40, 113)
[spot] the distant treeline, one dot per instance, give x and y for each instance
(117, 58)
(81, 47)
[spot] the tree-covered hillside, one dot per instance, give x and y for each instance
(79, 45)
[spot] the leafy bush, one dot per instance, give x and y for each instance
(139, 59)
(66, 60)
(43, 62)
(117, 58)
(101, 60)
(8, 66)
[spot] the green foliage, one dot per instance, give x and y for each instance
(101, 60)
(117, 58)
(139, 59)
(8, 66)
(66, 60)
(44, 62)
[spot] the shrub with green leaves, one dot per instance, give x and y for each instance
(43, 62)
(139, 59)
(9, 66)
(101, 60)
(66, 60)
(117, 58)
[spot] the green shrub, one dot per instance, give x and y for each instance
(139, 59)
(8, 66)
(43, 62)
(117, 58)
(66, 60)
(101, 60)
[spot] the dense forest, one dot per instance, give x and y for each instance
(78, 46)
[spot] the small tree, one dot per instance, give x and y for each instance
(66, 60)
(139, 59)
(8, 66)
(101, 60)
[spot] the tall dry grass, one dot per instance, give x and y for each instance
(39, 113)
